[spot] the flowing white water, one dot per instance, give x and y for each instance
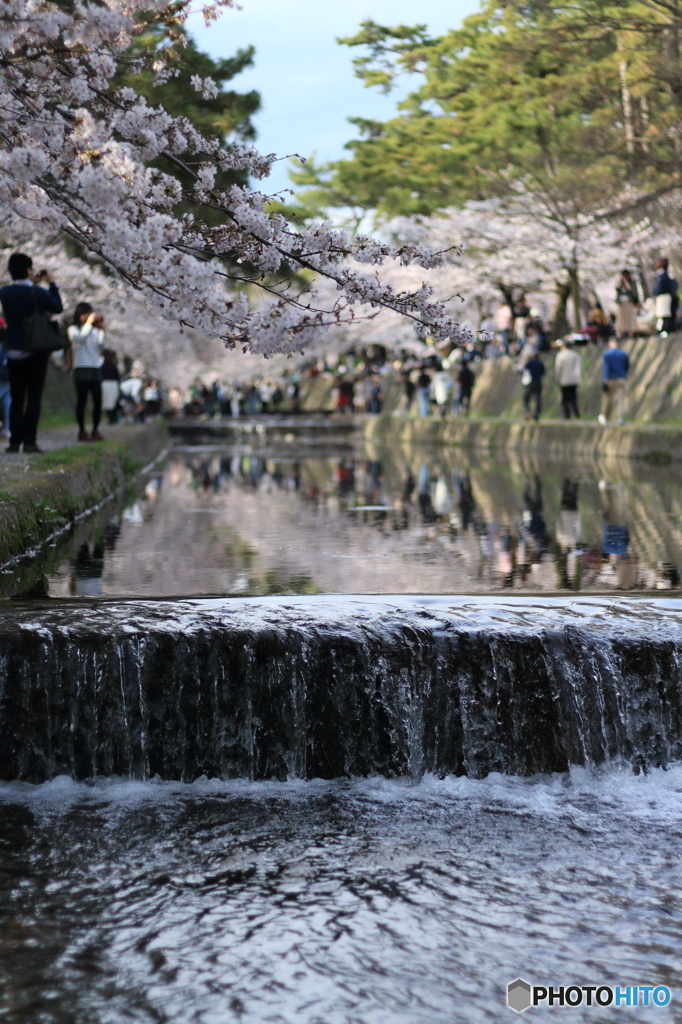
(329, 687)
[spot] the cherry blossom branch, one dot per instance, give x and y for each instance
(76, 154)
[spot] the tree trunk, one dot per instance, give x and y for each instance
(558, 324)
(574, 285)
(626, 100)
(672, 77)
(507, 293)
(646, 120)
(671, 58)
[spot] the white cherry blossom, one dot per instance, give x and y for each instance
(75, 155)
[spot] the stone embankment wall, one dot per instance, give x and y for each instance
(654, 384)
(654, 389)
(553, 439)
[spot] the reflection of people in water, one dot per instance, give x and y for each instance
(667, 575)
(442, 500)
(408, 488)
(465, 501)
(505, 558)
(616, 539)
(569, 531)
(401, 517)
(112, 531)
(88, 569)
(345, 477)
(534, 526)
(424, 497)
(373, 482)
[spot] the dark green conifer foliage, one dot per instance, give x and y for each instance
(578, 99)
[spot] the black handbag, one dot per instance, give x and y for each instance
(40, 333)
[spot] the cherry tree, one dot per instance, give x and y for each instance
(179, 354)
(166, 349)
(76, 158)
(513, 245)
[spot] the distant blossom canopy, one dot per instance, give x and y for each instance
(75, 150)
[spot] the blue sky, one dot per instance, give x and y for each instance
(305, 78)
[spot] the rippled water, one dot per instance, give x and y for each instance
(233, 521)
(356, 901)
(361, 901)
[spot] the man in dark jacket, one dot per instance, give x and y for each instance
(26, 369)
(465, 380)
(665, 298)
(533, 373)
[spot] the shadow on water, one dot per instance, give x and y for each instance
(240, 521)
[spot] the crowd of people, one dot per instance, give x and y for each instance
(517, 332)
(440, 383)
(103, 384)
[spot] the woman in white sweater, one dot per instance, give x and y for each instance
(86, 335)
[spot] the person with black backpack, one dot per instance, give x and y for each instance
(23, 301)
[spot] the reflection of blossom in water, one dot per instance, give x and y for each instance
(267, 522)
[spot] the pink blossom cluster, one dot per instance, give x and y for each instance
(531, 242)
(75, 155)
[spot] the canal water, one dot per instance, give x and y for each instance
(241, 521)
(350, 902)
(375, 900)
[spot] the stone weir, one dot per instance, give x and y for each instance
(325, 687)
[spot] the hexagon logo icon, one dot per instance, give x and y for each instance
(518, 995)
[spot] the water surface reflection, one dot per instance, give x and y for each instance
(242, 522)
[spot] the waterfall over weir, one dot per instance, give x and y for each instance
(327, 687)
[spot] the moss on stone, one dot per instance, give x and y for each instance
(50, 490)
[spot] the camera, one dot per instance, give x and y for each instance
(98, 322)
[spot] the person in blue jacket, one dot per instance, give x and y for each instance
(616, 368)
(26, 369)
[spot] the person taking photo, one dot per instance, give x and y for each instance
(86, 338)
(26, 369)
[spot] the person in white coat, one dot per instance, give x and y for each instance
(442, 387)
(86, 337)
(568, 370)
